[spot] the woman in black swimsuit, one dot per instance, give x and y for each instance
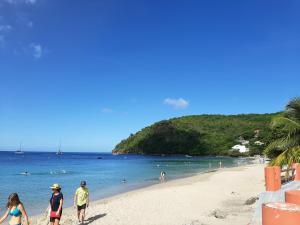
(56, 203)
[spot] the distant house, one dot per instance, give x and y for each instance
(244, 142)
(259, 143)
(241, 148)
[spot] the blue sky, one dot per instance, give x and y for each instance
(89, 73)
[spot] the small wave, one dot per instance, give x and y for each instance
(51, 173)
(59, 172)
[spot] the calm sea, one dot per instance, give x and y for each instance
(103, 172)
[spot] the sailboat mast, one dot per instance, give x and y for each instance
(59, 149)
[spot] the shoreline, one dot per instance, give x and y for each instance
(104, 177)
(138, 187)
(148, 196)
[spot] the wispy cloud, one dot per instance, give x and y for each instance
(2, 40)
(29, 24)
(32, 2)
(179, 103)
(37, 50)
(107, 110)
(5, 28)
(21, 19)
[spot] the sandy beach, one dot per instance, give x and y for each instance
(205, 199)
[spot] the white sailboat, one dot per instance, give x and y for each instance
(59, 152)
(19, 151)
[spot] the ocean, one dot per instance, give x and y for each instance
(103, 173)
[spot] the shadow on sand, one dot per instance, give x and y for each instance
(93, 218)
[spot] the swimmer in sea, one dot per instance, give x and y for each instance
(26, 173)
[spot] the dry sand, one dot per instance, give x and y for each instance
(196, 200)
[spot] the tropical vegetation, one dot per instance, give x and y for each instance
(201, 135)
(285, 147)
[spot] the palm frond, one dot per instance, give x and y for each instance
(287, 157)
(294, 104)
(288, 144)
(284, 122)
(282, 144)
(293, 109)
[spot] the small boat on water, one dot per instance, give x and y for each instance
(59, 152)
(19, 151)
(188, 156)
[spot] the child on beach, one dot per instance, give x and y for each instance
(56, 204)
(81, 201)
(16, 210)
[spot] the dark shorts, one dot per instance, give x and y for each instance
(52, 219)
(80, 207)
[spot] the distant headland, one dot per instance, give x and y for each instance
(231, 135)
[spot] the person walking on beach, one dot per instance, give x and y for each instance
(162, 177)
(81, 201)
(16, 210)
(56, 204)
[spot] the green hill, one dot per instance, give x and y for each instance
(200, 135)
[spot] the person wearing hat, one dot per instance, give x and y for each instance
(56, 203)
(81, 201)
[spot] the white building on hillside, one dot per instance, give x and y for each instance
(259, 143)
(241, 148)
(243, 141)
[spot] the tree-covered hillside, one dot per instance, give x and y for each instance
(200, 135)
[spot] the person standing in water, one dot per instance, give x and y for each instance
(81, 201)
(56, 204)
(16, 210)
(162, 177)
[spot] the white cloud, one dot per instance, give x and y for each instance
(37, 50)
(179, 103)
(106, 110)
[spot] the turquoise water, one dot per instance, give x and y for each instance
(103, 172)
